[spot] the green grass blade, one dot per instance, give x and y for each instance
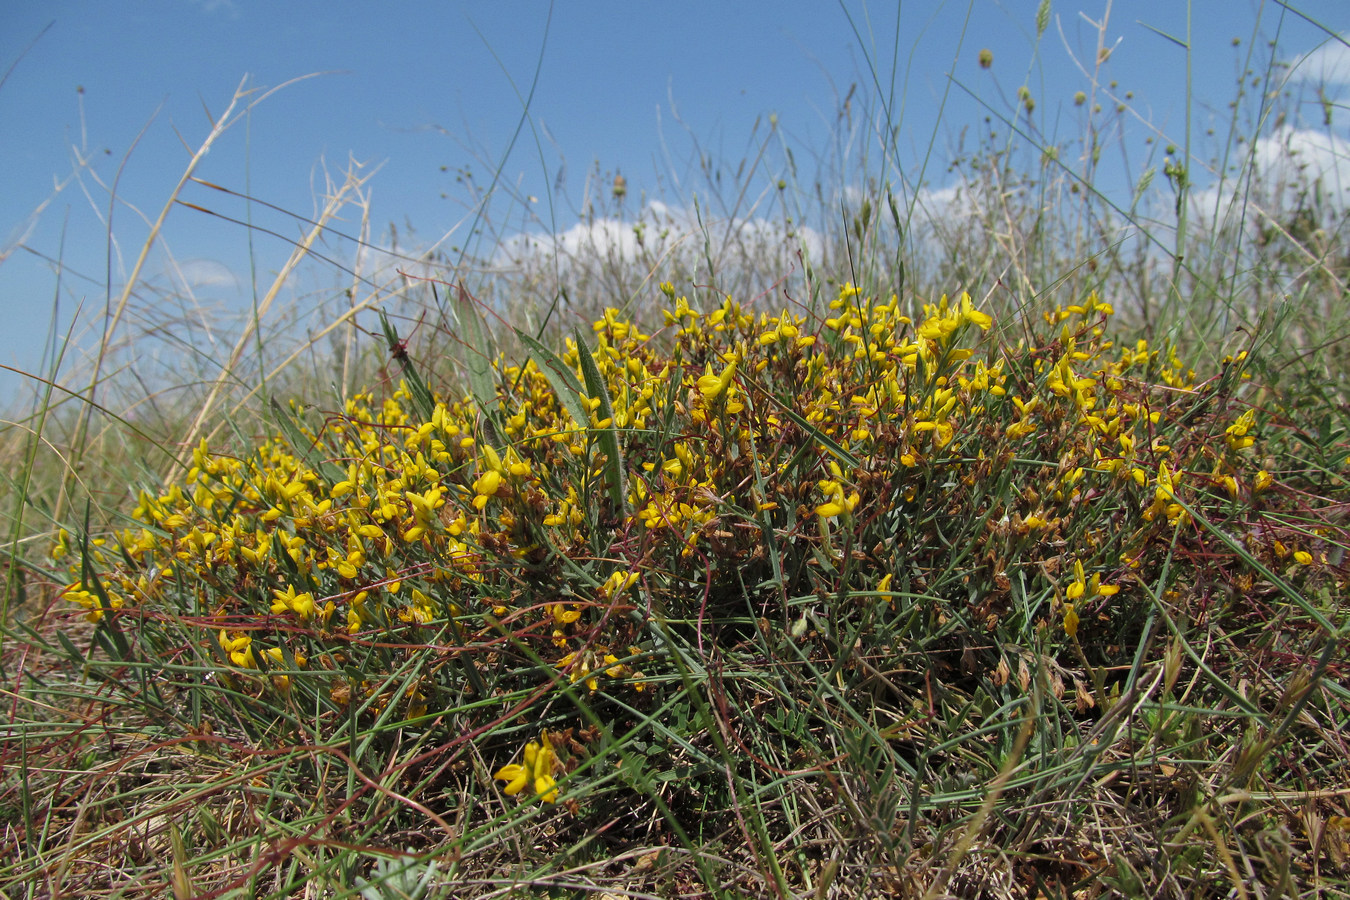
(478, 360)
(421, 394)
(304, 445)
(561, 378)
(607, 437)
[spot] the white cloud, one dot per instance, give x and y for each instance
(1286, 166)
(199, 273)
(660, 235)
(955, 220)
(959, 205)
(1300, 157)
(1328, 65)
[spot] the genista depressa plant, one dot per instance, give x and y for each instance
(834, 589)
(542, 562)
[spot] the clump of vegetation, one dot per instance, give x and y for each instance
(749, 580)
(751, 557)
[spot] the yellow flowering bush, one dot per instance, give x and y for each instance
(736, 480)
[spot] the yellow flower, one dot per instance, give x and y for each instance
(711, 386)
(617, 583)
(1236, 434)
(970, 314)
(492, 461)
(1070, 620)
(425, 505)
(581, 671)
(485, 487)
(1082, 586)
(419, 609)
(825, 510)
(302, 604)
(540, 761)
(564, 614)
(238, 649)
(1075, 590)
(62, 547)
(1163, 496)
(91, 602)
(516, 777)
(836, 504)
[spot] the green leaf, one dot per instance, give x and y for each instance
(607, 438)
(421, 394)
(829, 443)
(560, 377)
(478, 361)
(303, 445)
(1162, 34)
(76, 655)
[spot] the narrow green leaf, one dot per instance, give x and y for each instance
(421, 394)
(1162, 34)
(303, 445)
(478, 361)
(816, 434)
(608, 438)
(560, 377)
(106, 631)
(76, 656)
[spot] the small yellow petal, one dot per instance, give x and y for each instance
(515, 776)
(544, 787)
(710, 386)
(1070, 620)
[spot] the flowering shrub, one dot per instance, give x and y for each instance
(843, 492)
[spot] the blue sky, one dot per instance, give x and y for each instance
(423, 89)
